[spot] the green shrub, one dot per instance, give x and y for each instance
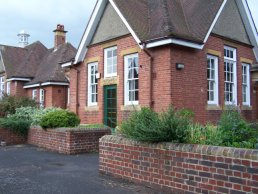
(205, 135)
(149, 126)
(59, 118)
(17, 126)
(31, 113)
(236, 131)
(8, 104)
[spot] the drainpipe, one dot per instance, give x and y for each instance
(147, 51)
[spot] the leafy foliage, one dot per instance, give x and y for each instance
(31, 113)
(8, 104)
(18, 126)
(206, 135)
(59, 118)
(149, 126)
(236, 131)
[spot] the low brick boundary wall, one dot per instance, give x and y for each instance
(11, 138)
(67, 141)
(180, 168)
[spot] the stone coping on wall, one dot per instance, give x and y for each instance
(75, 129)
(193, 148)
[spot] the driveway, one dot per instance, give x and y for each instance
(30, 170)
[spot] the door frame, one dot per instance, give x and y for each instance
(105, 102)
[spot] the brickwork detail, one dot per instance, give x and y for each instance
(180, 168)
(11, 138)
(67, 141)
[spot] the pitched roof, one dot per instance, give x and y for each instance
(36, 62)
(49, 69)
(154, 23)
(183, 19)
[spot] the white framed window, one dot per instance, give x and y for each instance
(68, 95)
(92, 84)
(8, 88)
(131, 82)
(246, 84)
(41, 97)
(34, 94)
(1, 86)
(212, 78)
(110, 62)
(230, 76)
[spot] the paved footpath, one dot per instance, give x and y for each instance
(30, 170)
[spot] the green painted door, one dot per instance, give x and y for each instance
(110, 106)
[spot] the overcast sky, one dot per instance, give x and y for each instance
(40, 17)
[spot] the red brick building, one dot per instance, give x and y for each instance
(34, 71)
(191, 54)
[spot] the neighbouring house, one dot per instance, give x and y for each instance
(34, 71)
(191, 54)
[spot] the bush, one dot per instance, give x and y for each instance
(31, 113)
(149, 126)
(59, 118)
(205, 135)
(17, 126)
(236, 131)
(8, 104)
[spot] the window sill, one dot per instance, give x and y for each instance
(246, 107)
(130, 107)
(213, 107)
(91, 108)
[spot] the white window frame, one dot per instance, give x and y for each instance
(41, 97)
(216, 80)
(248, 93)
(2, 86)
(90, 103)
(106, 74)
(8, 88)
(233, 60)
(34, 94)
(68, 95)
(126, 85)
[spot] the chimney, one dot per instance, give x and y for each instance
(60, 35)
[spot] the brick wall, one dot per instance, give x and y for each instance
(55, 96)
(180, 168)
(67, 141)
(11, 138)
(186, 88)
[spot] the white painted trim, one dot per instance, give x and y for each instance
(2, 60)
(249, 24)
(55, 83)
(248, 92)
(106, 74)
(31, 86)
(216, 63)
(67, 64)
(126, 23)
(18, 79)
(215, 20)
(174, 41)
(90, 103)
(90, 30)
(47, 84)
(126, 100)
(232, 60)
